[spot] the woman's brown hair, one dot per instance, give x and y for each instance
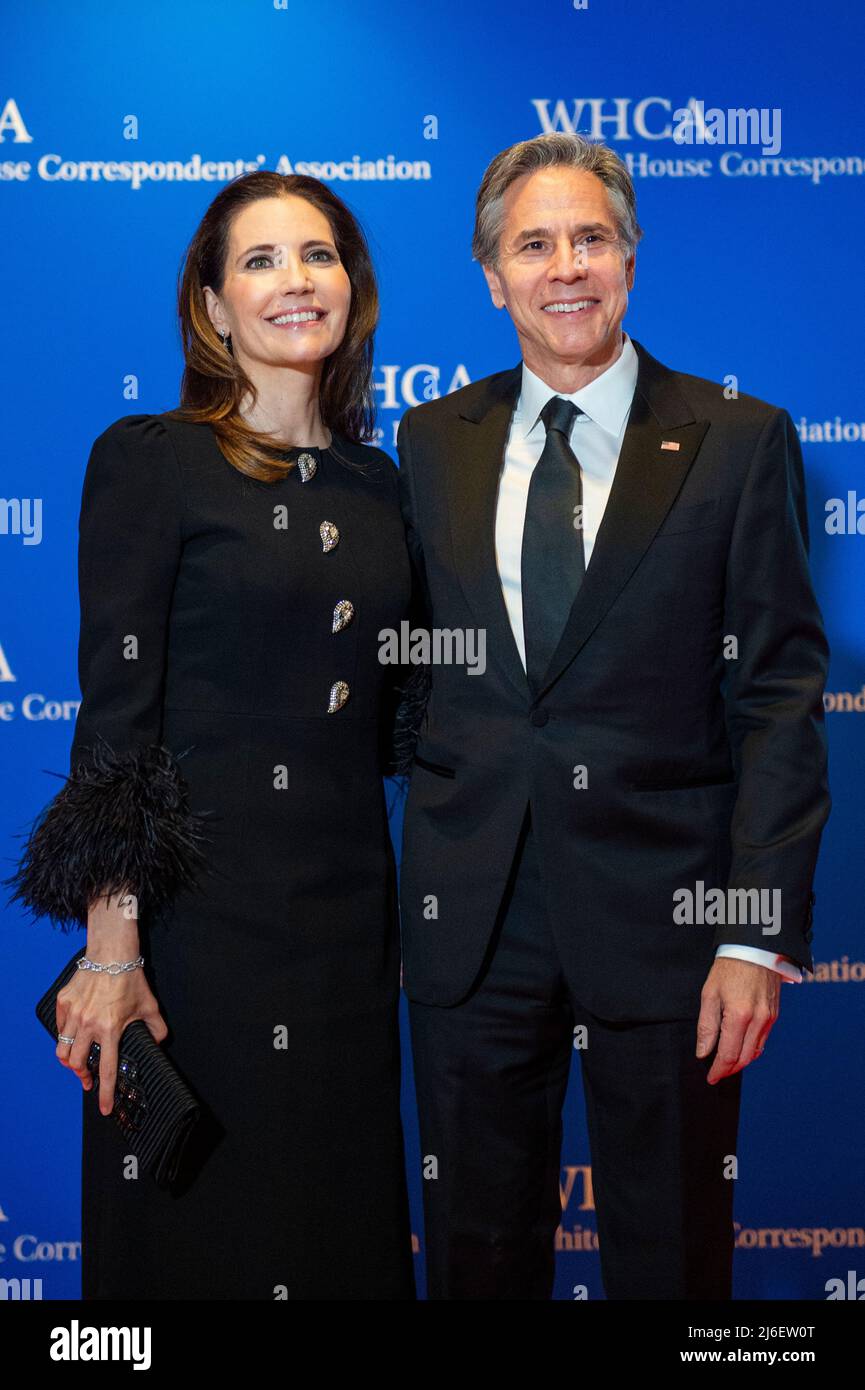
(214, 383)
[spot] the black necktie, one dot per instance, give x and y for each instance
(553, 558)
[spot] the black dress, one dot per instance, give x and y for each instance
(209, 603)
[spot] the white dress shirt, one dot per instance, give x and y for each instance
(596, 438)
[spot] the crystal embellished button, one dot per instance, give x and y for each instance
(307, 467)
(342, 614)
(329, 536)
(338, 696)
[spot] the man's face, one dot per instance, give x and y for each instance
(559, 247)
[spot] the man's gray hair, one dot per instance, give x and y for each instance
(544, 152)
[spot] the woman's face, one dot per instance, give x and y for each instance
(283, 265)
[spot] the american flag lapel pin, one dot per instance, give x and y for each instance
(670, 444)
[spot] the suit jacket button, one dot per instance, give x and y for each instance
(540, 717)
(338, 695)
(329, 533)
(342, 615)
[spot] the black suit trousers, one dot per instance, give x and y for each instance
(491, 1075)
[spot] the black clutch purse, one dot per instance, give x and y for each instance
(153, 1107)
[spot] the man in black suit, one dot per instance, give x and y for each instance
(645, 744)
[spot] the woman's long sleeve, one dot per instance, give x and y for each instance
(121, 823)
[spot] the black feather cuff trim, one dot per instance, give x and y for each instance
(121, 824)
(414, 694)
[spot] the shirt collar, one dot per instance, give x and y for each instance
(606, 400)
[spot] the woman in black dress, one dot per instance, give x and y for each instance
(238, 558)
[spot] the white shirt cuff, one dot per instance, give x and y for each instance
(772, 961)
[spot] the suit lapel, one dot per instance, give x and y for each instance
(645, 485)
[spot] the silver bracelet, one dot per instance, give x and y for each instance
(115, 967)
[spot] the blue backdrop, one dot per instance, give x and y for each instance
(118, 126)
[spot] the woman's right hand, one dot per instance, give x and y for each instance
(96, 1007)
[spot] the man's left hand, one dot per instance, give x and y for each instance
(739, 1004)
